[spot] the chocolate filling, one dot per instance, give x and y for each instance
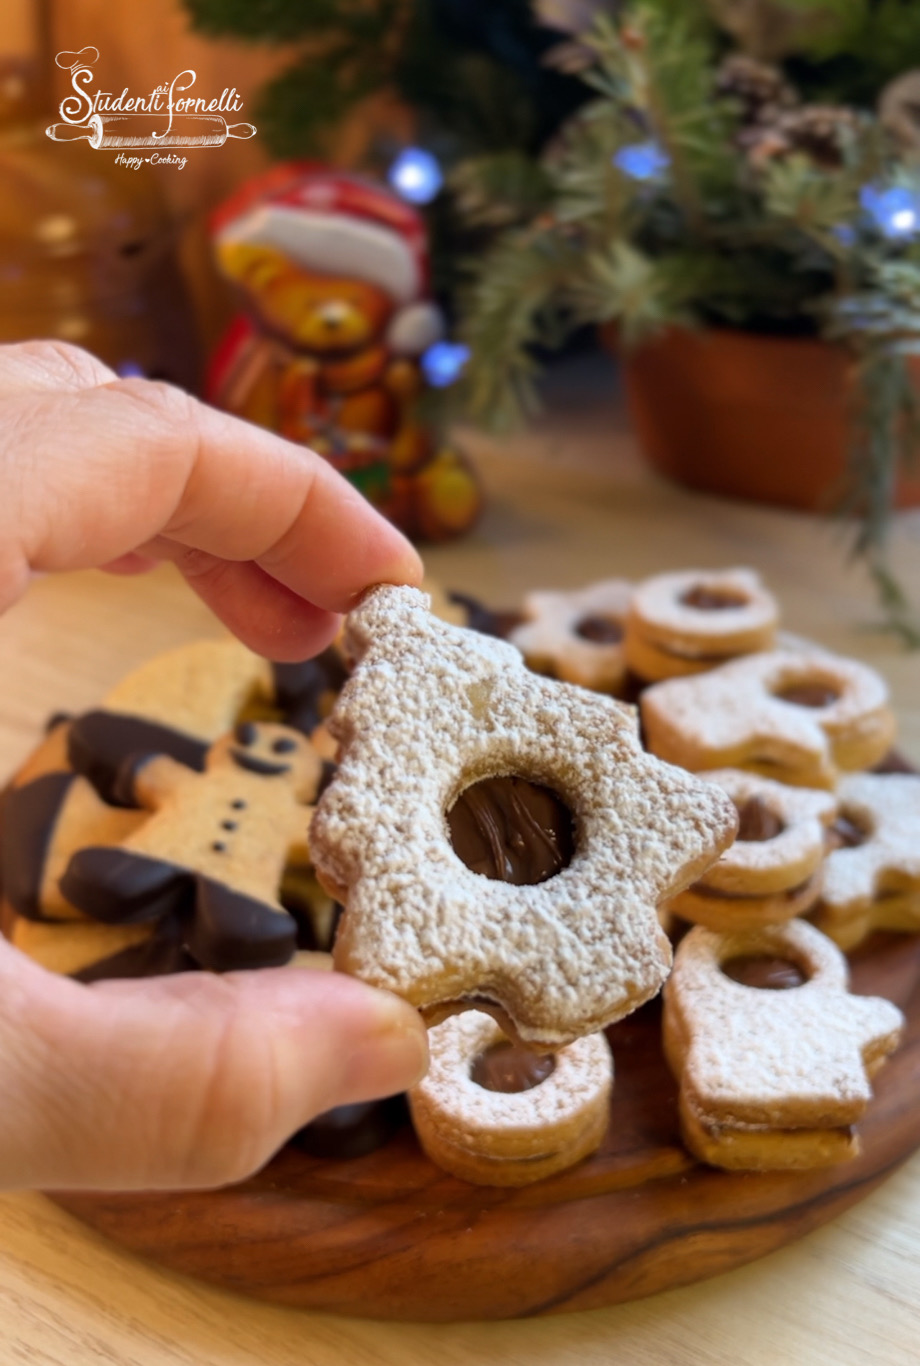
(807, 694)
(512, 830)
(756, 822)
(712, 599)
(764, 971)
(600, 629)
(846, 833)
(508, 1068)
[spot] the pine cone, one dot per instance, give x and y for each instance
(818, 131)
(757, 87)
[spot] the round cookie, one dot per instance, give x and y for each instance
(689, 622)
(498, 1115)
(772, 871)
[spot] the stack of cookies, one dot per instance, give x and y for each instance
(501, 839)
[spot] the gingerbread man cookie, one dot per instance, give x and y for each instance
(692, 621)
(797, 717)
(771, 1076)
(577, 636)
(496, 1114)
(213, 849)
(872, 878)
(773, 870)
(498, 839)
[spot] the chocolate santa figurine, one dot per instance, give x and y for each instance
(333, 274)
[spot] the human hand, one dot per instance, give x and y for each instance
(99, 471)
(193, 1080)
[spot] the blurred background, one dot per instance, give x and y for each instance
(716, 200)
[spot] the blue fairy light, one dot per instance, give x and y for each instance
(895, 211)
(444, 362)
(641, 160)
(416, 175)
(129, 369)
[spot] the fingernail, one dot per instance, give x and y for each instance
(393, 1057)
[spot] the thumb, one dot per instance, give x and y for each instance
(186, 1081)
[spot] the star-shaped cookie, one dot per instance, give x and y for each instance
(577, 636)
(431, 712)
(872, 882)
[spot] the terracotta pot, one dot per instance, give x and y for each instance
(747, 416)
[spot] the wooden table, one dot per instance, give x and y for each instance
(568, 503)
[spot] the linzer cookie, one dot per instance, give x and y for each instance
(500, 840)
(577, 636)
(872, 877)
(213, 849)
(799, 718)
(772, 1052)
(773, 870)
(689, 622)
(496, 1114)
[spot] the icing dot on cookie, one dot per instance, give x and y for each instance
(756, 822)
(284, 745)
(512, 830)
(763, 971)
(238, 804)
(712, 599)
(228, 825)
(599, 629)
(219, 847)
(508, 1068)
(808, 693)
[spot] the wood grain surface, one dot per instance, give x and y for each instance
(568, 502)
(390, 1236)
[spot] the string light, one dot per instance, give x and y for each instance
(641, 160)
(895, 211)
(416, 175)
(443, 363)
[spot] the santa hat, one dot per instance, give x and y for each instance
(339, 224)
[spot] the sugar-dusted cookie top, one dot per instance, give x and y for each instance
(785, 1058)
(577, 636)
(590, 832)
(797, 716)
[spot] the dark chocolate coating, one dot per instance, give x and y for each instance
(764, 971)
(352, 1130)
(508, 1068)
(756, 822)
(29, 816)
(223, 929)
(512, 830)
(300, 688)
(105, 745)
(163, 953)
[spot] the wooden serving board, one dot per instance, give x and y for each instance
(391, 1236)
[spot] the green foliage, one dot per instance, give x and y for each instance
(718, 229)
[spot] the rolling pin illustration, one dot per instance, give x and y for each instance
(151, 130)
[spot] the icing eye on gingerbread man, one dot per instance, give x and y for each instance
(773, 870)
(690, 622)
(499, 840)
(795, 716)
(772, 1053)
(872, 877)
(213, 850)
(577, 636)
